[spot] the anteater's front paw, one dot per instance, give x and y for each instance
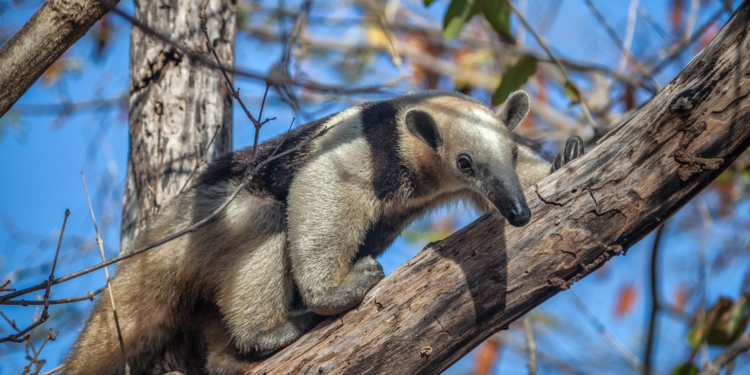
(573, 149)
(370, 269)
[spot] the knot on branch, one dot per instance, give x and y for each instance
(559, 283)
(692, 164)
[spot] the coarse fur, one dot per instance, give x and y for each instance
(300, 241)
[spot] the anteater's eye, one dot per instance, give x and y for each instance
(464, 161)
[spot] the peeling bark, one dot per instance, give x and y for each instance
(42, 40)
(457, 292)
(175, 105)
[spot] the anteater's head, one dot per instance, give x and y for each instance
(473, 148)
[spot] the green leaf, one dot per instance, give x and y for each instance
(571, 91)
(737, 318)
(428, 2)
(459, 11)
(243, 14)
(514, 78)
(497, 13)
(686, 369)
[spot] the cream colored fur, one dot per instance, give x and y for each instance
(247, 260)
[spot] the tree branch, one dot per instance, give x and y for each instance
(42, 40)
(649, 354)
(457, 292)
(740, 345)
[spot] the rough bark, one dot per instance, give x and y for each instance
(42, 40)
(175, 105)
(455, 293)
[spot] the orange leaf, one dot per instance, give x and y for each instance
(487, 356)
(628, 98)
(625, 301)
(55, 71)
(424, 43)
(682, 294)
(542, 85)
(103, 34)
(676, 14)
(708, 36)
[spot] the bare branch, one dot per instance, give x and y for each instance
(90, 297)
(584, 106)
(41, 41)
(649, 354)
(530, 345)
(625, 50)
(54, 370)
(50, 336)
(22, 335)
(192, 228)
(591, 210)
(106, 273)
(198, 57)
(611, 340)
(740, 345)
(200, 160)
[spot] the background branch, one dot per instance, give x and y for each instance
(41, 41)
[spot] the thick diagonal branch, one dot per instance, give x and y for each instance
(42, 40)
(455, 293)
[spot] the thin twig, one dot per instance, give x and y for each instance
(259, 125)
(22, 335)
(690, 24)
(584, 106)
(251, 169)
(3, 288)
(530, 346)
(737, 347)
(655, 24)
(54, 370)
(625, 50)
(50, 336)
(679, 47)
(649, 355)
(200, 161)
(613, 342)
(236, 93)
(397, 61)
(702, 274)
(192, 228)
(90, 296)
(106, 273)
(629, 32)
(13, 325)
(198, 57)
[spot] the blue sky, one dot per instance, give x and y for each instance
(40, 178)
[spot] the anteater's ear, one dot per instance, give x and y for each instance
(515, 109)
(423, 126)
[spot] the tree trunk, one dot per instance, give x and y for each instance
(176, 106)
(455, 293)
(42, 40)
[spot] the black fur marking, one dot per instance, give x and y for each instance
(385, 231)
(275, 178)
(380, 129)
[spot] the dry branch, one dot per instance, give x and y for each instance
(41, 41)
(457, 292)
(742, 344)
